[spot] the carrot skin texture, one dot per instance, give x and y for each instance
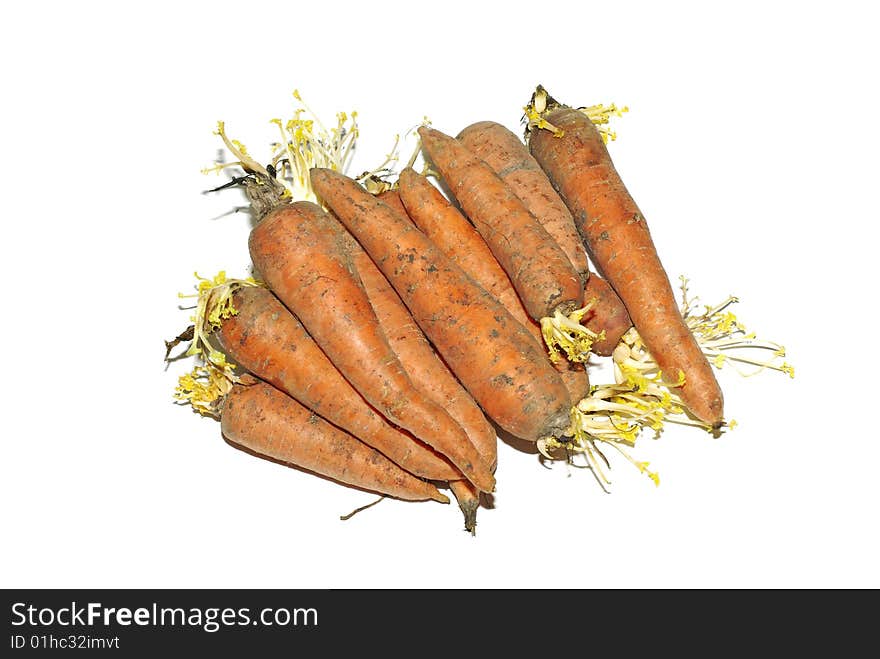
(509, 158)
(492, 355)
(300, 252)
(468, 502)
(617, 238)
(426, 370)
(542, 275)
(392, 198)
(608, 314)
(268, 341)
(451, 232)
(267, 421)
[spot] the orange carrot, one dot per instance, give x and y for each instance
(266, 421)
(468, 502)
(392, 198)
(451, 232)
(264, 338)
(540, 271)
(492, 355)
(617, 239)
(300, 253)
(510, 159)
(608, 314)
(426, 370)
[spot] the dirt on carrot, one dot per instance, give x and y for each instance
(451, 232)
(617, 238)
(541, 273)
(492, 355)
(299, 251)
(267, 421)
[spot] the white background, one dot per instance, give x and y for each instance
(750, 145)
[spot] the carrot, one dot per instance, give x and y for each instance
(264, 338)
(266, 421)
(540, 271)
(429, 374)
(468, 502)
(392, 198)
(510, 159)
(451, 232)
(607, 316)
(426, 370)
(299, 251)
(617, 239)
(491, 354)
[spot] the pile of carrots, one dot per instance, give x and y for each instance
(396, 326)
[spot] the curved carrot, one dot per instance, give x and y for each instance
(299, 251)
(429, 374)
(510, 159)
(451, 232)
(268, 422)
(492, 355)
(540, 271)
(267, 340)
(619, 242)
(426, 370)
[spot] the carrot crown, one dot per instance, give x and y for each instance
(213, 376)
(542, 103)
(566, 334)
(305, 142)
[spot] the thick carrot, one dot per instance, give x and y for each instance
(619, 243)
(267, 340)
(540, 271)
(608, 314)
(266, 421)
(299, 251)
(451, 232)
(509, 158)
(426, 370)
(492, 355)
(429, 373)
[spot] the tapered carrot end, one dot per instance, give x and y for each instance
(431, 136)
(468, 502)
(482, 478)
(439, 497)
(716, 414)
(470, 517)
(319, 174)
